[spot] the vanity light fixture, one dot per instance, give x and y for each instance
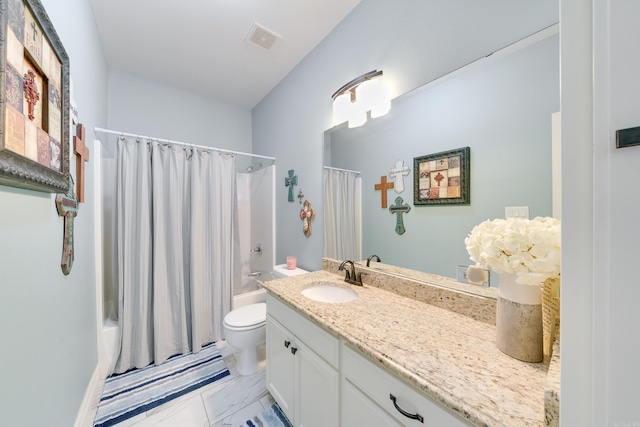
(365, 93)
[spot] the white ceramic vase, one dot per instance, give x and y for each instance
(519, 320)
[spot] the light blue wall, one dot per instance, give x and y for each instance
(501, 109)
(48, 350)
(148, 108)
(377, 34)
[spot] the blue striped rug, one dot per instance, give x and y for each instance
(270, 417)
(135, 392)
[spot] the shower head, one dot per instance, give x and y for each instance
(254, 167)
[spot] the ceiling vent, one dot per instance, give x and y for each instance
(262, 37)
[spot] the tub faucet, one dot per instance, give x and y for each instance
(371, 257)
(350, 277)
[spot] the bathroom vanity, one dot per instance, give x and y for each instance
(385, 359)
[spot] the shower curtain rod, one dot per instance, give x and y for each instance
(185, 144)
(342, 170)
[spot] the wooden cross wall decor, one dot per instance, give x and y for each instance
(383, 186)
(82, 155)
(398, 209)
(67, 206)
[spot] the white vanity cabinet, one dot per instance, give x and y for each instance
(367, 398)
(302, 367)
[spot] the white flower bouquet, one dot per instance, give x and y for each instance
(529, 249)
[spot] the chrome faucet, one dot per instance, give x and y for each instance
(371, 257)
(350, 277)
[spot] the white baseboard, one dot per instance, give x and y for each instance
(90, 400)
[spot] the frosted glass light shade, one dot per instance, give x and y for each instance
(382, 104)
(373, 96)
(369, 95)
(341, 108)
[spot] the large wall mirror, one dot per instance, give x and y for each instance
(501, 108)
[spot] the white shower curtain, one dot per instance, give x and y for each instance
(342, 238)
(176, 232)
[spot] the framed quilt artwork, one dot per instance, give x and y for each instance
(34, 100)
(442, 178)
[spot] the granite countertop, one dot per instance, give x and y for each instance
(450, 357)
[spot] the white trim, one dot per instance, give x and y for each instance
(273, 217)
(577, 284)
(556, 165)
(89, 403)
(603, 181)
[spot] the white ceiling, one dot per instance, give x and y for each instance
(199, 45)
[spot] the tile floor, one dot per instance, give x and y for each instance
(225, 403)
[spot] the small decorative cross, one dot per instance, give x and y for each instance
(290, 181)
(35, 30)
(82, 155)
(306, 215)
(398, 172)
(67, 206)
(439, 178)
(300, 196)
(399, 208)
(31, 92)
(383, 186)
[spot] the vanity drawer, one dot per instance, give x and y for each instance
(319, 340)
(379, 385)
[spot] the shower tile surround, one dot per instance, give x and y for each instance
(441, 341)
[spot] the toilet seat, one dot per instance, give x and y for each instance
(248, 317)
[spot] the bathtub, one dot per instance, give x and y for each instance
(108, 339)
(108, 346)
(253, 297)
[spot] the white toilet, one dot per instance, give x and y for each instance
(244, 327)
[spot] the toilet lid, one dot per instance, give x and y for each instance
(246, 316)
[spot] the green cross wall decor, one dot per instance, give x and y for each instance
(290, 181)
(399, 208)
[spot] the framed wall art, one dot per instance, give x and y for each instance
(34, 99)
(442, 178)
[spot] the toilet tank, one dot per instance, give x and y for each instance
(280, 271)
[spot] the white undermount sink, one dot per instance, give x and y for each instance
(325, 292)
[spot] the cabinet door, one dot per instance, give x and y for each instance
(318, 390)
(280, 369)
(359, 410)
